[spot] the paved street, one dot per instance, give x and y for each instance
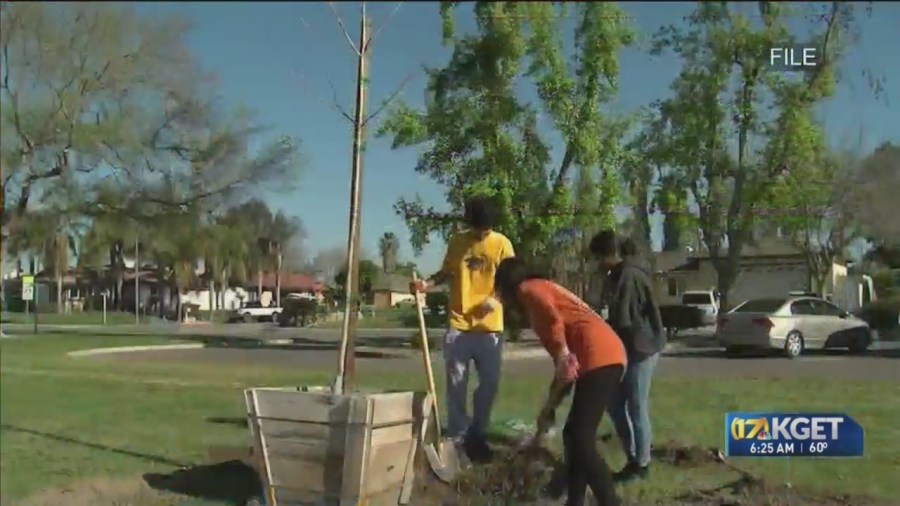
(316, 348)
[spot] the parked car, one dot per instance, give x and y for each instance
(792, 325)
(254, 311)
(704, 300)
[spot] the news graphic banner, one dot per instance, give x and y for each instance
(792, 435)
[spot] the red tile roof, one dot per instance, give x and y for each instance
(290, 282)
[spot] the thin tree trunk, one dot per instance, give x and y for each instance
(212, 289)
(278, 280)
(59, 293)
(259, 282)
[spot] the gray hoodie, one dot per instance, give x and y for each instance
(633, 310)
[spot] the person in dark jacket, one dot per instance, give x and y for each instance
(634, 315)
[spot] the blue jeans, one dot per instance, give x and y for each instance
(630, 410)
(485, 350)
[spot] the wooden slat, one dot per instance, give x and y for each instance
(314, 446)
(387, 465)
(392, 434)
(297, 497)
(394, 407)
(309, 450)
(302, 406)
(409, 474)
(259, 447)
(322, 477)
(290, 429)
(356, 448)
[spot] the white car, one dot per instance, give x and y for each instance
(792, 325)
(254, 311)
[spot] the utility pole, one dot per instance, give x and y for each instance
(347, 365)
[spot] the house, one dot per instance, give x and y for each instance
(392, 289)
(767, 268)
(234, 297)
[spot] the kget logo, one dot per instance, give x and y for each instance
(792, 435)
(750, 428)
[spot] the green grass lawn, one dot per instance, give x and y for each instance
(65, 420)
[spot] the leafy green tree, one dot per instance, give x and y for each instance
(92, 88)
(368, 276)
(268, 231)
(480, 139)
(819, 209)
(718, 106)
(877, 182)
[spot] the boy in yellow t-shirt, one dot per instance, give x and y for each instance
(475, 323)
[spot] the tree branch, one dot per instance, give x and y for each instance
(384, 103)
(334, 100)
(340, 23)
(380, 28)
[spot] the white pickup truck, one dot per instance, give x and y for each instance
(254, 311)
(704, 300)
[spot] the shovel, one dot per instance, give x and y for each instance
(442, 456)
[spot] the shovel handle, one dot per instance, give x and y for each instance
(426, 354)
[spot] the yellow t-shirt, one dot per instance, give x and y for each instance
(470, 264)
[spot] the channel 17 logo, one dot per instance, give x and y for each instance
(792, 435)
(750, 428)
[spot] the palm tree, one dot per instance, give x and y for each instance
(176, 248)
(271, 231)
(112, 233)
(56, 260)
(226, 256)
(91, 263)
(389, 248)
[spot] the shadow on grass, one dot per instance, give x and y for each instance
(121, 451)
(227, 420)
(233, 482)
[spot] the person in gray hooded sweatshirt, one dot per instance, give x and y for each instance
(634, 315)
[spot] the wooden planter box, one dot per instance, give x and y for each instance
(315, 448)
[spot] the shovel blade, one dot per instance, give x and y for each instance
(445, 460)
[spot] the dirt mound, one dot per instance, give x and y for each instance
(515, 478)
(750, 491)
(512, 477)
(678, 455)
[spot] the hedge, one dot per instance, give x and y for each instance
(882, 314)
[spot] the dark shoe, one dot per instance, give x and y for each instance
(631, 471)
(478, 450)
(558, 483)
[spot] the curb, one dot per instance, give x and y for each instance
(130, 349)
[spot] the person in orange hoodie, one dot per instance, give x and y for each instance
(586, 352)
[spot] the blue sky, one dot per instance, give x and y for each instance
(278, 58)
